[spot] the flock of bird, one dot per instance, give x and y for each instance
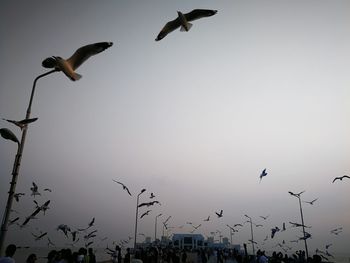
(68, 67)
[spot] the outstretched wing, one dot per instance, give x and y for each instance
(199, 13)
(85, 52)
(169, 27)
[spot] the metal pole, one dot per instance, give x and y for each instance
(155, 228)
(251, 229)
(137, 212)
(302, 221)
(16, 166)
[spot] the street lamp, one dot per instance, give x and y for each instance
(251, 230)
(302, 220)
(137, 213)
(155, 228)
(58, 64)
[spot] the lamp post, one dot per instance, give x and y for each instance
(155, 228)
(17, 164)
(137, 214)
(302, 220)
(251, 230)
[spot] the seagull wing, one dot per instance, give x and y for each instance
(169, 27)
(127, 189)
(345, 176)
(199, 13)
(50, 62)
(27, 121)
(85, 52)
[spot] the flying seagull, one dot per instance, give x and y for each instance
(124, 187)
(64, 228)
(207, 219)
(11, 222)
(68, 66)
(34, 190)
(22, 123)
(17, 196)
(145, 213)
(296, 195)
(264, 217)
(219, 214)
(263, 173)
(38, 237)
(48, 190)
(311, 202)
(183, 20)
(8, 135)
(152, 196)
(341, 178)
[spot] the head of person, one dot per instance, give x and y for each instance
(10, 250)
(31, 258)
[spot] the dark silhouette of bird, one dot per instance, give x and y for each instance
(43, 207)
(274, 231)
(328, 245)
(149, 203)
(50, 243)
(264, 217)
(8, 135)
(38, 237)
(11, 222)
(311, 202)
(219, 214)
(183, 20)
(296, 195)
(34, 190)
(232, 228)
(124, 187)
(21, 123)
(298, 225)
(283, 227)
(89, 244)
(17, 196)
(207, 219)
(145, 213)
(152, 196)
(340, 178)
(68, 66)
(74, 235)
(47, 190)
(32, 216)
(91, 222)
(64, 228)
(258, 225)
(263, 174)
(306, 236)
(237, 225)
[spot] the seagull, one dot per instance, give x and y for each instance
(50, 243)
(34, 190)
(311, 202)
(327, 246)
(32, 216)
(232, 229)
(258, 225)
(306, 236)
(74, 235)
(91, 223)
(64, 228)
(298, 225)
(124, 187)
(263, 173)
(274, 231)
(149, 203)
(11, 222)
(8, 135)
(38, 237)
(68, 66)
(22, 123)
(43, 207)
(88, 244)
(48, 190)
(296, 195)
(145, 213)
(17, 196)
(219, 214)
(207, 219)
(283, 227)
(237, 225)
(152, 196)
(183, 21)
(341, 178)
(264, 217)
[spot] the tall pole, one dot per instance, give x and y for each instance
(137, 214)
(155, 228)
(302, 222)
(16, 166)
(251, 230)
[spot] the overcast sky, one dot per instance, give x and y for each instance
(193, 118)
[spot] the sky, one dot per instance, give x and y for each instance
(193, 118)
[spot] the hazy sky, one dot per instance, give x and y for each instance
(193, 118)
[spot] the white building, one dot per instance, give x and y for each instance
(188, 241)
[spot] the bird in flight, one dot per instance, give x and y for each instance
(219, 214)
(43, 207)
(68, 66)
(311, 202)
(207, 219)
(274, 231)
(21, 123)
(64, 228)
(145, 213)
(38, 237)
(298, 225)
(124, 187)
(34, 190)
(47, 190)
(183, 21)
(8, 135)
(237, 225)
(264, 217)
(17, 196)
(149, 203)
(263, 174)
(152, 196)
(11, 222)
(296, 195)
(340, 178)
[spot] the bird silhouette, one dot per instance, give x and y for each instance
(311, 202)
(124, 187)
(219, 214)
(298, 225)
(152, 196)
(145, 213)
(237, 225)
(38, 237)
(263, 174)
(274, 231)
(11, 222)
(21, 123)
(264, 217)
(296, 195)
(50, 243)
(183, 20)
(47, 190)
(340, 178)
(17, 196)
(207, 219)
(64, 228)
(149, 204)
(34, 190)
(8, 135)
(68, 66)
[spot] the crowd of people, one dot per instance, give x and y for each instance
(155, 254)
